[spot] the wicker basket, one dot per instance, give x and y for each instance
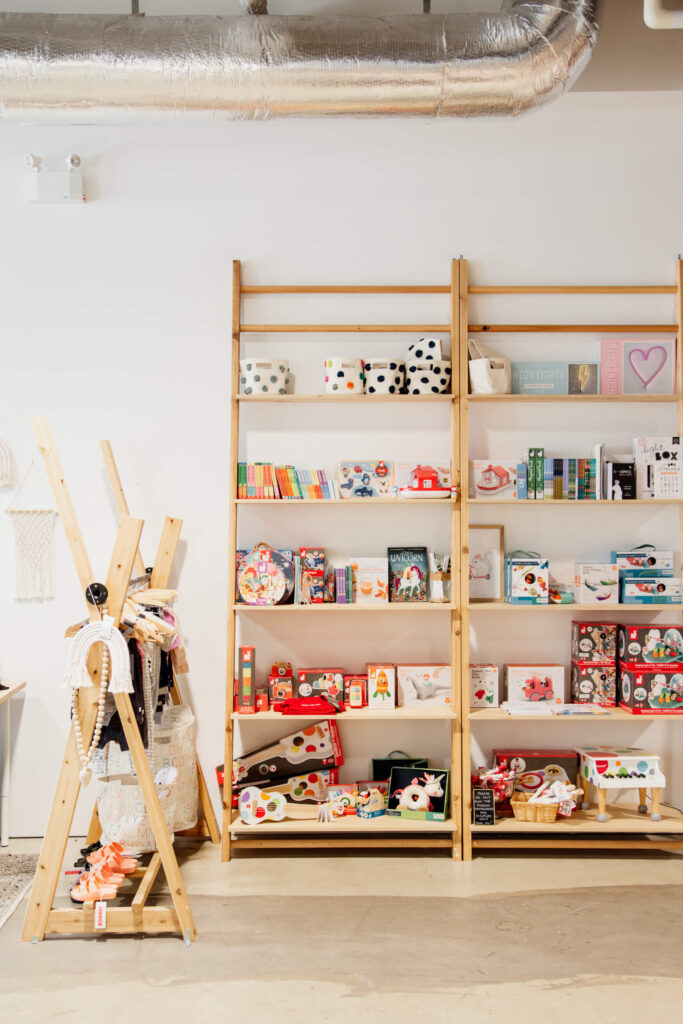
(524, 811)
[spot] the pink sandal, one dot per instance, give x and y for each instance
(113, 855)
(90, 888)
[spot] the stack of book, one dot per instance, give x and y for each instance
(264, 481)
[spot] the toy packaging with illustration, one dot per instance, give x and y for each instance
(423, 684)
(484, 686)
(535, 683)
(594, 642)
(310, 749)
(418, 794)
(592, 683)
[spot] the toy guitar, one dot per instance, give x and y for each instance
(259, 805)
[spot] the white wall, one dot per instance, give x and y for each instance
(114, 323)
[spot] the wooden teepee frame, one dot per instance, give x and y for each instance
(206, 826)
(42, 918)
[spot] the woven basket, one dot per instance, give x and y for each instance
(524, 811)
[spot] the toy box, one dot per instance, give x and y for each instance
(534, 683)
(424, 479)
(536, 378)
(246, 689)
(370, 803)
(328, 681)
(381, 785)
(594, 642)
(312, 559)
(370, 580)
(365, 479)
(597, 583)
(651, 645)
(637, 367)
(592, 683)
(280, 688)
(493, 478)
(381, 686)
(651, 590)
(418, 794)
(346, 793)
(423, 684)
(647, 452)
(355, 691)
(484, 691)
(645, 561)
(649, 689)
(534, 767)
(526, 580)
(317, 746)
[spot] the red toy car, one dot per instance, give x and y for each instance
(539, 689)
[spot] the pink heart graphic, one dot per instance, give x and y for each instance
(645, 360)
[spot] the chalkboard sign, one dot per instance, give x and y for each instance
(483, 807)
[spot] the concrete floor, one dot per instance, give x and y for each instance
(377, 939)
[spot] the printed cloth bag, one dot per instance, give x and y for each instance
(123, 814)
(489, 373)
(175, 746)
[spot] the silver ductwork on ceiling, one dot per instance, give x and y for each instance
(258, 67)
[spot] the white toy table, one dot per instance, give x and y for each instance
(5, 696)
(620, 768)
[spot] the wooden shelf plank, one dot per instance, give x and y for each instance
(613, 715)
(622, 818)
(346, 328)
(349, 824)
(407, 714)
(573, 329)
(502, 606)
(346, 289)
(526, 503)
(624, 399)
(345, 398)
(403, 502)
(322, 609)
(573, 289)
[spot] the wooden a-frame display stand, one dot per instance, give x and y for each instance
(42, 918)
(207, 826)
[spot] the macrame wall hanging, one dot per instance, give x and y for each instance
(5, 465)
(33, 545)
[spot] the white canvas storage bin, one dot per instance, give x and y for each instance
(432, 378)
(344, 376)
(426, 350)
(264, 376)
(385, 377)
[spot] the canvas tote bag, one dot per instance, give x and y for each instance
(489, 373)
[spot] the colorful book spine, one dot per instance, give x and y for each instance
(540, 455)
(294, 482)
(565, 478)
(317, 484)
(593, 471)
(582, 479)
(251, 483)
(572, 479)
(340, 585)
(240, 467)
(557, 479)
(324, 485)
(349, 585)
(522, 481)
(531, 474)
(297, 579)
(547, 479)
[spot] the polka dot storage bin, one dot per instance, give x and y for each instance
(425, 350)
(344, 376)
(385, 377)
(264, 376)
(433, 378)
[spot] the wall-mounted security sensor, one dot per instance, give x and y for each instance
(56, 184)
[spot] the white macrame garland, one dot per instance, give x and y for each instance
(115, 673)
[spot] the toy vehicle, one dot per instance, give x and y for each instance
(539, 689)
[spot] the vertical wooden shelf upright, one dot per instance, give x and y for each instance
(382, 832)
(623, 830)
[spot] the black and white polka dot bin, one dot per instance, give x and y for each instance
(385, 376)
(425, 350)
(264, 376)
(428, 378)
(344, 376)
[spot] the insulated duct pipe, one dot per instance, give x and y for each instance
(249, 67)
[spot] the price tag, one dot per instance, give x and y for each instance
(483, 807)
(100, 915)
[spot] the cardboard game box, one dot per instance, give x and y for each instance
(594, 642)
(328, 681)
(652, 645)
(484, 691)
(493, 478)
(592, 683)
(310, 749)
(597, 583)
(381, 686)
(650, 689)
(535, 683)
(423, 684)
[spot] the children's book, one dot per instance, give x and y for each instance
(408, 574)
(370, 580)
(649, 451)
